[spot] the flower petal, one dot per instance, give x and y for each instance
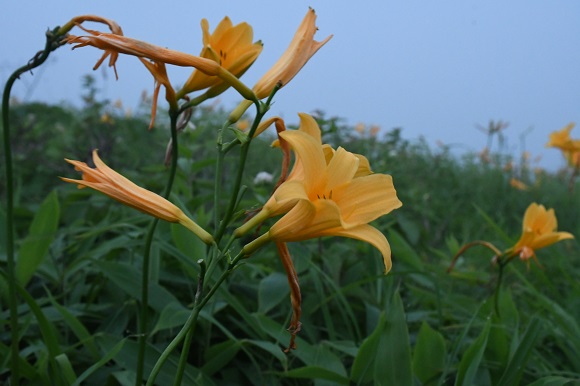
(366, 198)
(372, 236)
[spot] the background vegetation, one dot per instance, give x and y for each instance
(80, 259)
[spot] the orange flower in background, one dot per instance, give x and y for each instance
(573, 158)
(114, 185)
(515, 183)
(301, 49)
(539, 231)
(328, 193)
(562, 140)
(229, 46)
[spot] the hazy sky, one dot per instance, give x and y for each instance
(434, 68)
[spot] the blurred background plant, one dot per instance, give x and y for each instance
(417, 325)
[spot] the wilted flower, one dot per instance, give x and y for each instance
(113, 26)
(114, 185)
(159, 56)
(539, 231)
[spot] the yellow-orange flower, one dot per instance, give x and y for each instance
(114, 185)
(301, 49)
(328, 193)
(229, 46)
(125, 45)
(562, 140)
(515, 183)
(539, 231)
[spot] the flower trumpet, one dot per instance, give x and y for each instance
(107, 181)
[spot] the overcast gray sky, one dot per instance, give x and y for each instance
(434, 68)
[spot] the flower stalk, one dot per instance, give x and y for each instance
(54, 39)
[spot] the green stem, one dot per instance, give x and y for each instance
(218, 178)
(143, 325)
(53, 41)
(189, 336)
(261, 111)
(498, 287)
(192, 320)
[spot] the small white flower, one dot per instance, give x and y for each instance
(263, 177)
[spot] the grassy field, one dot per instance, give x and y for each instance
(80, 261)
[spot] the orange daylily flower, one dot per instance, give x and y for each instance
(328, 193)
(301, 49)
(114, 185)
(520, 185)
(157, 54)
(539, 231)
(562, 140)
(229, 46)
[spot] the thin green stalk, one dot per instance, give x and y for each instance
(53, 41)
(143, 325)
(218, 178)
(498, 286)
(192, 320)
(262, 109)
(189, 336)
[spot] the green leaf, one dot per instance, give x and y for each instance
(472, 358)
(126, 358)
(35, 246)
(173, 315)
(272, 290)
(311, 355)
(188, 243)
(317, 372)
(553, 381)
(429, 354)
(513, 372)
(385, 356)
(66, 369)
(101, 362)
(128, 278)
(219, 355)
(77, 328)
(404, 252)
(47, 330)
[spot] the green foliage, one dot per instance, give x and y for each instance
(417, 325)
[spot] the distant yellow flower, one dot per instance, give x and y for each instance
(562, 140)
(301, 49)
(114, 185)
(328, 193)
(359, 128)
(243, 125)
(229, 46)
(515, 183)
(573, 158)
(539, 231)
(374, 130)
